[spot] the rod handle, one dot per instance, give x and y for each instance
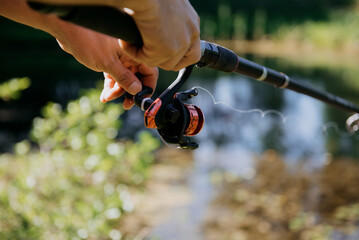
(217, 57)
(116, 23)
(103, 19)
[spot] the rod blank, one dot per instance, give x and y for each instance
(213, 55)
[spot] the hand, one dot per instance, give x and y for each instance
(170, 32)
(113, 90)
(102, 53)
(96, 51)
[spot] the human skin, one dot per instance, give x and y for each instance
(169, 29)
(94, 50)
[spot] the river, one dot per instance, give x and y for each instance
(245, 120)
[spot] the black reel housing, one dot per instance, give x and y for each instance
(183, 122)
(175, 120)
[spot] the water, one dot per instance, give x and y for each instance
(239, 126)
(245, 125)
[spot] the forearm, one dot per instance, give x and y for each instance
(78, 2)
(136, 5)
(169, 28)
(19, 11)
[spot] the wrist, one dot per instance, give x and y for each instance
(54, 26)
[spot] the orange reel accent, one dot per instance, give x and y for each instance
(151, 112)
(196, 120)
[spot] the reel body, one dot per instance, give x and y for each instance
(175, 120)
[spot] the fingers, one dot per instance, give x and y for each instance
(111, 89)
(192, 56)
(124, 77)
(170, 33)
(128, 103)
(149, 76)
(173, 60)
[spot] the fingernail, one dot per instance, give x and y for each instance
(134, 88)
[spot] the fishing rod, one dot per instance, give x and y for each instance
(175, 120)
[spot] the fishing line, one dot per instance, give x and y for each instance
(335, 127)
(325, 128)
(264, 113)
(255, 110)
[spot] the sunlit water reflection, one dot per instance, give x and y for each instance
(295, 129)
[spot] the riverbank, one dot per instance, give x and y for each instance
(286, 202)
(280, 201)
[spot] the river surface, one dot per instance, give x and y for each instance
(243, 120)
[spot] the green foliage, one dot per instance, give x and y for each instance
(76, 183)
(261, 18)
(349, 213)
(341, 30)
(11, 90)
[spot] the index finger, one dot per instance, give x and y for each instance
(149, 75)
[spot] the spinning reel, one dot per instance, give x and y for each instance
(175, 120)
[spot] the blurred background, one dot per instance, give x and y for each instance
(74, 168)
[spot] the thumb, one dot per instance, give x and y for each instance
(140, 55)
(125, 78)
